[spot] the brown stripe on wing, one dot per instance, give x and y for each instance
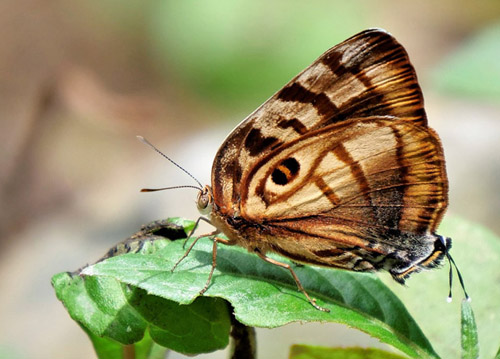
(402, 188)
(347, 261)
(389, 216)
(332, 246)
(376, 48)
(367, 75)
(327, 191)
(295, 92)
(381, 65)
(293, 123)
(229, 172)
(426, 194)
(405, 104)
(256, 143)
(330, 252)
(342, 154)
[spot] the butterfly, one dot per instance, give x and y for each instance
(338, 169)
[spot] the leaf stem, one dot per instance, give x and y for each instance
(243, 341)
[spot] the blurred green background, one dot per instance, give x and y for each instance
(80, 79)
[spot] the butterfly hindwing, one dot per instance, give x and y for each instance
(363, 194)
(374, 173)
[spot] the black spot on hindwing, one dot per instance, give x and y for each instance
(286, 171)
(279, 177)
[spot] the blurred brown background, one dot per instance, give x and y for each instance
(80, 79)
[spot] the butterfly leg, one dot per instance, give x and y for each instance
(214, 260)
(297, 281)
(191, 246)
(194, 229)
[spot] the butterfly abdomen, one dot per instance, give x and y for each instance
(414, 261)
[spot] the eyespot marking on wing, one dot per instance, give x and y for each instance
(286, 171)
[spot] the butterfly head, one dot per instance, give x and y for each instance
(205, 200)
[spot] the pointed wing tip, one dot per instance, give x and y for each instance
(377, 31)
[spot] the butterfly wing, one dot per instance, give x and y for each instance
(366, 75)
(339, 167)
(375, 174)
(363, 194)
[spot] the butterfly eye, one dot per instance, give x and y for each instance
(286, 171)
(204, 202)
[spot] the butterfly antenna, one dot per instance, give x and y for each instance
(143, 140)
(164, 188)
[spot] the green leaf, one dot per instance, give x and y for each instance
(100, 304)
(264, 295)
(109, 310)
(315, 352)
(470, 345)
(203, 326)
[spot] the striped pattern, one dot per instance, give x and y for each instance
(338, 168)
(389, 174)
(366, 75)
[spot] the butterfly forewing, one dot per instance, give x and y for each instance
(366, 75)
